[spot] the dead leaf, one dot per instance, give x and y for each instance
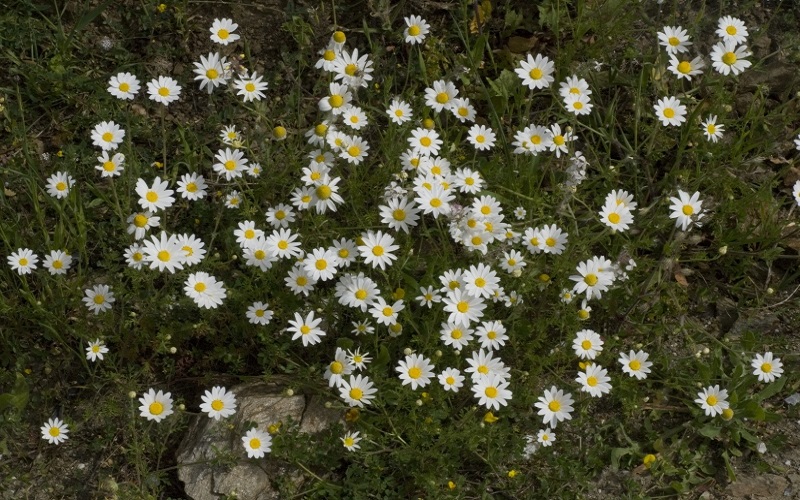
(681, 279)
(521, 44)
(483, 11)
(778, 160)
(9, 192)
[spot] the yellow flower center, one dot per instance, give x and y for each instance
(163, 91)
(191, 187)
(321, 264)
(23, 262)
(586, 345)
(283, 245)
(108, 136)
(442, 97)
(305, 329)
(559, 140)
(323, 192)
(199, 287)
(590, 279)
(711, 401)
(414, 372)
(387, 311)
(156, 408)
(591, 381)
(729, 58)
(329, 55)
(163, 256)
(350, 69)
(109, 166)
(426, 142)
(613, 218)
(577, 105)
(687, 210)
(490, 392)
(480, 282)
(483, 369)
(151, 196)
(684, 67)
(731, 30)
(398, 113)
(463, 112)
(536, 139)
(336, 100)
(536, 73)
(674, 41)
(250, 87)
(339, 37)
(61, 186)
(554, 406)
(354, 151)
(260, 313)
(54, 431)
(436, 202)
(413, 30)
(456, 334)
(361, 294)
(574, 90)
(356, 393)
(450, 380)
(223, 34)
(259, 254)
(669, 112)
(249, 234)
(348, 441)
(711, 129)
(766, 367)
(476, 240)
(255, 444)
(343, 253)
(337, 368)
(57, 264)
(217, 405)
(583, 314)
(124, 87)
(212, 74)
(321, 129)
(462, 306)
(480, 139)
(302, 281)
(634, 365)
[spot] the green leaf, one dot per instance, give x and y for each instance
(617, 454)
(728, 467)
(709, 431)
(383, 357)
(18, 397)
(772, 389)
(344, 343)
(748, 340)
(754, 410)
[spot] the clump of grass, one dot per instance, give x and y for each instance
(494, 239)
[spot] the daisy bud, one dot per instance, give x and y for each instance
(428, 123)
(289, 392)
(698, 354)
(328, 404)
(173, 350)
(770, 291)
(723, 250)
(727, 414)
(132, 394)
(234, 257)
(167, 337)
(419, 402)
(182, 407)
(438, 353)
(705, 350)
(407, 351)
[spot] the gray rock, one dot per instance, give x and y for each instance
(763, 486)
(212, 462)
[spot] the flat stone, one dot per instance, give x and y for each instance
(763, 486)
(209, 442)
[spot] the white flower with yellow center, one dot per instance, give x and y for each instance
(110, 166)
(492, 391)
(399, 111)
(54, 431)
(492, 335)
(686, 210)
(338, 368)
(377, 249)
(545, 437)
(320, 264)
(555, 406)
(591, 279)
(259, 313)
(337, 100)
(192, 186)
(123, 86)
(727, 58)
(455, 336)
(230, 163)
(257, 443)
(353, 70)
(155, 405)
(350, 441)
(766, 367)
(58, 262)
(358, 391)
(440, 95)
(635, 364)
(328, 56)
(732, 29)
(205, 290)
(451, 379)
(674, 39)
(385, 313)
(98, 299)
(574, 86)
(164, 252)
(163, 90)
(306, 329)
(463, 307)
(713, 400)
(536, 73)
(481, 137)
(95, 350)
(594, 380)
(155, 197)
(684, 68)
(211, 72)
(416, 29)
(107, 136)
(218, 403)
(222, 31)
(711, 129)
(415, 370)
(251, 87)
